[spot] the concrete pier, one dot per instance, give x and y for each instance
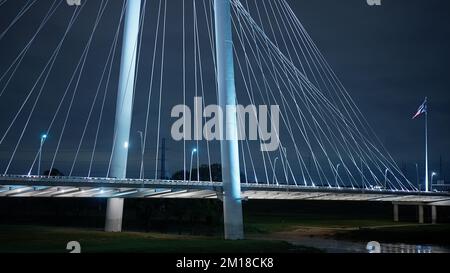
(433, 214)
(396, 213)
(421, 214)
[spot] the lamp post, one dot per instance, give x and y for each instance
(417, 177)
(274, 170)
(141, 172)
(43, 138)
(336, 176)
(385, 177)
(432, 176)
(190, 169)
(285, 163)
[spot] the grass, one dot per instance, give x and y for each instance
(36, 239)
(39, 239)
(278, 223)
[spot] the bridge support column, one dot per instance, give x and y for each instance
(396, 213)
(421, 214)
(232, 203)
(124, 108)
(433, 215)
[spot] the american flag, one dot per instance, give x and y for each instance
(422, 109)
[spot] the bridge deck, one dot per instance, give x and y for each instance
(79, 187)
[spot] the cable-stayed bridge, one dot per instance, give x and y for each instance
(301, 135)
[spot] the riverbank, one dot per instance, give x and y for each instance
(193, 226)
(342, 236)
(41, 239)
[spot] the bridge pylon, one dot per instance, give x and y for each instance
(232, 203)
(124, 108)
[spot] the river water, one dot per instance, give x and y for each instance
(343, 246)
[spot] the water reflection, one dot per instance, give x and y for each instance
(343, 246)
(403, 248)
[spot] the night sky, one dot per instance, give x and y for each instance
(388, 57)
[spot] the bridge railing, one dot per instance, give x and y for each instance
(105, 182)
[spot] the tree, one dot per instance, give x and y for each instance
(53, 172)
(204, 174)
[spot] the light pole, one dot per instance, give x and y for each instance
(426, 148)
(285, 163)
(336, 175)
(43, 138)
(432, 176)
(141, 172)
(274, 169)
(417, 177)
(190, 169)
(385, 177)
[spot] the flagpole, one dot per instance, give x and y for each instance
(426, 150)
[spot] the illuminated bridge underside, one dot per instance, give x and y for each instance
(70, 187)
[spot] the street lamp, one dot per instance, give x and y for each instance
(190, 169)
(43, 138)
(417, 177)
(141, 172)
(432, 176)
(336, 176)
(274, 169)
(285, 165)
(385, 177)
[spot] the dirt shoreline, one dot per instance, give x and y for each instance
(413, 234)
